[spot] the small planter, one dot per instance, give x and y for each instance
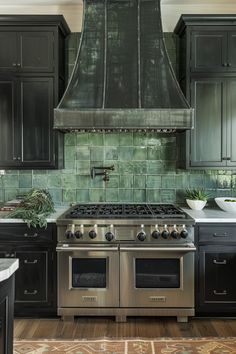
(196, 204)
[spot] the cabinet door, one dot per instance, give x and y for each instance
(209, 51)
(36, 51)
(8, 131)
(36, 120)
(208, 139)
(27, 51)
(217, 266)
(231, 122)
(8, 50)
(32, 277)
(231, 62)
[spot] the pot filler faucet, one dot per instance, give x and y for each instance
(104, 173)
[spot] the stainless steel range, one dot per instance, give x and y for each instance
(126, 260)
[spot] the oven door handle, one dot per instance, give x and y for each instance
(158, 249)
(94, 249)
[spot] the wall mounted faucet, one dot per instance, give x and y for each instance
(104, 173)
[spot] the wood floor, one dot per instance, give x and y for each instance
(100, 327)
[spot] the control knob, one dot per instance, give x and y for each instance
(184, 232)
(78, 234)
(70, 231)
(174, 233)
(165, 233)
(92, 234)
(141, 236)
(109, 236)
(69, 234)
(156, 233)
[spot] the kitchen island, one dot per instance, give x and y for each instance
(7, 289)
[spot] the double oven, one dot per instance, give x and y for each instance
(117, 263)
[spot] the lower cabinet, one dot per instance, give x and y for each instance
(35, 280)
(216, 267)
(6, 315)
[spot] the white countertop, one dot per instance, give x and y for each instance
(8, 267)
(52, 218)
(214, 215)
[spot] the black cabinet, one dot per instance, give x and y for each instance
(212, 142)
(26, 49)
(26, 139)
(216, 265)
(6, 315)
(207, 56)
(213, 50)
(35, 292)
(32, 76)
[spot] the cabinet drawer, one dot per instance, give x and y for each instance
(21, 232)
(217, 233)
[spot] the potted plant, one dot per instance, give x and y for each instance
(196, 198)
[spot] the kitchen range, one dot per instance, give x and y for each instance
(126, 260)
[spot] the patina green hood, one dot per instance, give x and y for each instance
(122, 79)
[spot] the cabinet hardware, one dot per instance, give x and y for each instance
(229, 64)
(226, 158)
(27, 292)
(219, 262)
(14, 158)
(33, 235)
(19, 158)
(220, 235)
(18, 64)
(10, 255)
(224, 292)
(225, 64)
(30, 262)
(14, 64)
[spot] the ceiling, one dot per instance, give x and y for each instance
(78, 2)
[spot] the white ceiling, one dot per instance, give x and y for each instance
(78, 2)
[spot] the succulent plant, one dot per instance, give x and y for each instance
(196, 194)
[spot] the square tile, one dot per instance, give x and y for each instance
(126, 195)
(96, 195)
(153, 196)
(140, 153)
(82, 195)
(126, 181)
(153, 181)
(112, 194)
(139, 195)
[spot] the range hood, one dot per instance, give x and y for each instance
(122, 79)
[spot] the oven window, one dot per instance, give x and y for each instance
(89, 272)
(157, 273)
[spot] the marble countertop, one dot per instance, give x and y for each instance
(52, 218)
(8, 267)
(214, 215)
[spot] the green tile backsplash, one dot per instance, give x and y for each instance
(145, 166)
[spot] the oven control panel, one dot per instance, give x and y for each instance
(76, 233)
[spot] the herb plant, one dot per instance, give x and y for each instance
(34, 208)
(196, 194)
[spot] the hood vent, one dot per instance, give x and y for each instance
(122, 79)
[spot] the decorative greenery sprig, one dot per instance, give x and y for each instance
(34, 209)
(196, 194)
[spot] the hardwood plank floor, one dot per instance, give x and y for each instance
(100, 327)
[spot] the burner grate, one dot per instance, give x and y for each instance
(125, 211)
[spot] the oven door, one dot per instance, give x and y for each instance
(157, 277)
(88, 276)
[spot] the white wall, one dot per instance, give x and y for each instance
(170, 12)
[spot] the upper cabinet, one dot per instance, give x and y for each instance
(207, 75)
(213, 50)
(32, 81)
(27, 50)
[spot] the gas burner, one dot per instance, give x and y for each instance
(97, 211)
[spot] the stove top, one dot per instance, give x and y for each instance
(86, 223)
(124, 211)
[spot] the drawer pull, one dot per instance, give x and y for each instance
(224, 292)
(220, 235)
(30, 262)
(27, 292)
(219, 262)
(33, 235)
(10, 255)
